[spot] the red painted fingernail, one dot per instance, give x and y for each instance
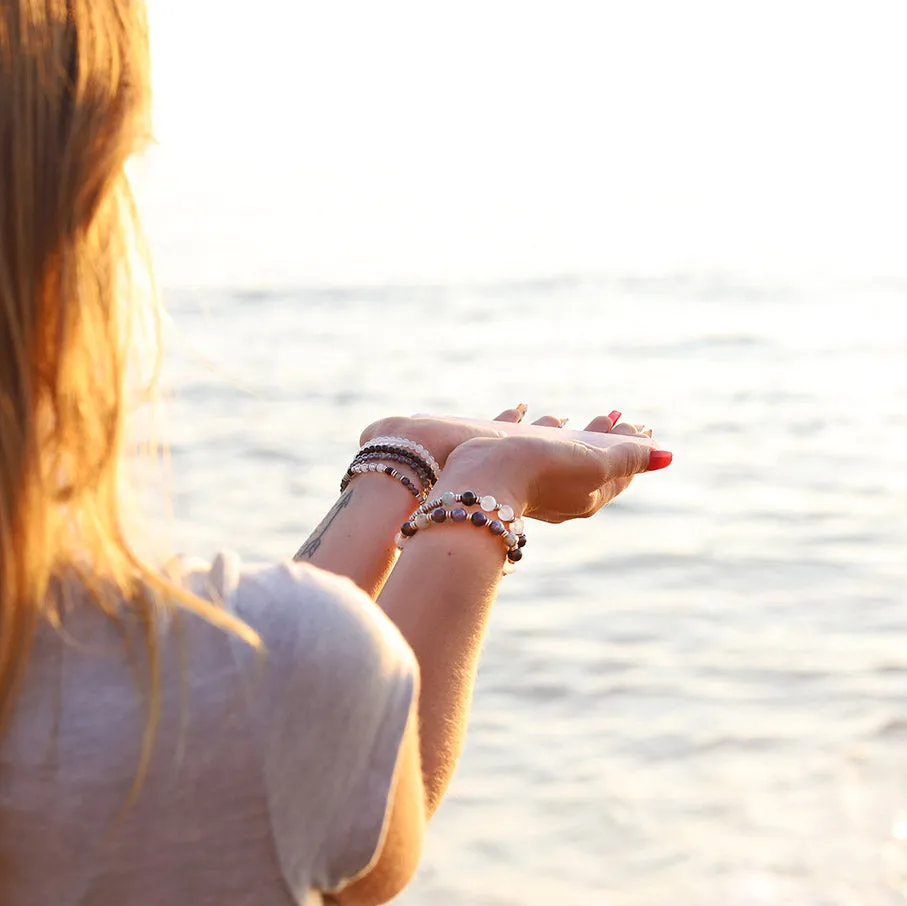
(659, 459)
(615, 417)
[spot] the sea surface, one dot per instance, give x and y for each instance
(699, 697)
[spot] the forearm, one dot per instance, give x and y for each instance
(440, 596)
(356, 537)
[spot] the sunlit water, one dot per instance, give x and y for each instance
(698, 697)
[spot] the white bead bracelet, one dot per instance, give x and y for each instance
(407, 444)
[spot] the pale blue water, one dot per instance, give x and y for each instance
(698, 697)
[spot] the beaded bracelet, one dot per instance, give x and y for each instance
(409, 445)
(362, 468)
(404, 457)
(414, 459)
(469, 498)
(514, 541)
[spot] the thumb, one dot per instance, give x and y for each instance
(625, 460)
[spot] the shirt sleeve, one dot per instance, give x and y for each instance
(339, 684)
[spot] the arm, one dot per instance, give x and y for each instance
(356, 538)
(440, 596)
(401, 845)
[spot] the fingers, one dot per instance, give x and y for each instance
(517, 414)
(659, 459)
(624, 460)
(633, 430)
(631, 459)
(513, 415)
(602, 424)
(551, 421)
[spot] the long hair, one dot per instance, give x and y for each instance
(74, 106)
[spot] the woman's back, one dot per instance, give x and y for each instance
(226, 812)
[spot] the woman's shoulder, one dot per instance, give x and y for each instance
(294, 606)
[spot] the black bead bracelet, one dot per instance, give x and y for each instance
(514, 541)
(384, 468)
(404, 457)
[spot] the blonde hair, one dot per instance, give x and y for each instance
(74, 106)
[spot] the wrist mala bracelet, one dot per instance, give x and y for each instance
(514, 541)
(401, 456)
(384, 468)
(486, 502)
(418, 464)
(409, 445)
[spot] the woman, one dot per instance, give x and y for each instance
(214, 733)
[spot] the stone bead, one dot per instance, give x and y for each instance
(448, 499)
(469, 498)
(459, 514)
(515, 555)
(511, 539)
(516, 525)
(496, 527)
(505, 513)
(399, 540)
(522, 541)
(438, 514)
(408, 529)
(422, 521)
(488, 503)
(478, 519)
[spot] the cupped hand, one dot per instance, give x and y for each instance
(552, 478)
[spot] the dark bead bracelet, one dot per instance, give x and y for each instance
(382, 457)
(402, 456)
(410, 446)
(384, 468)
(423, 465)
(514, 541)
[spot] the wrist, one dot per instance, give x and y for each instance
(482, 465)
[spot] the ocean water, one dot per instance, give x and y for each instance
(697, 697)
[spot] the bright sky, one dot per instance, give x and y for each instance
(362, 142)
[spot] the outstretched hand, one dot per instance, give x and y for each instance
(548, 477)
